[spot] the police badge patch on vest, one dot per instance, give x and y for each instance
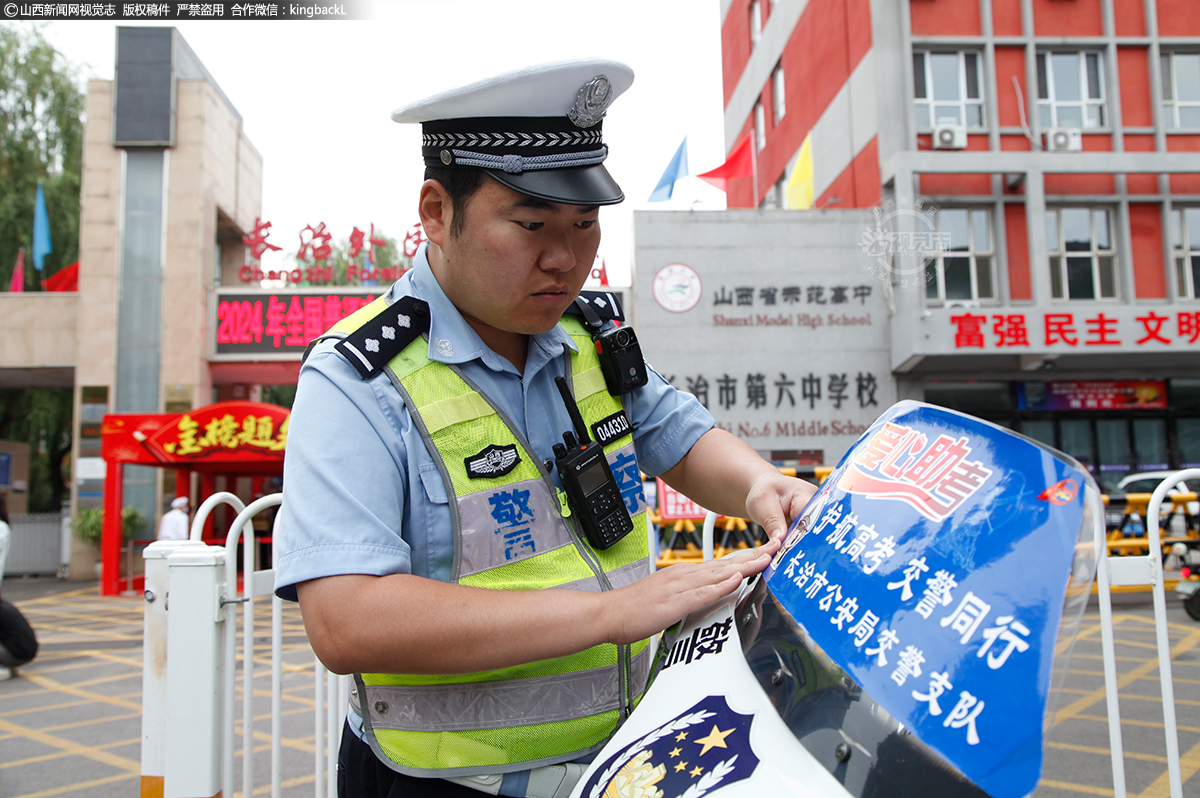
(494, 461)
(615, 426)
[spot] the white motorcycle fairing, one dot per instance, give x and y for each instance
(900, 644)
(706, 726)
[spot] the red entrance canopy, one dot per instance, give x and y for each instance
(246, 438)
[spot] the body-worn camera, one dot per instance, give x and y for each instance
(621, 360)
(620, 354)
(592, 493)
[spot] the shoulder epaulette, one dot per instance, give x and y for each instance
(373, 345)
(605, 303)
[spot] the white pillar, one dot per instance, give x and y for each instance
(194, 669)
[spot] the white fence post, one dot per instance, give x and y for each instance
(190, 660)
(64, 543)
(194, 668)
(319, 676)
(1141, 570)
(154, 665)
(276, 674)
(254, 583)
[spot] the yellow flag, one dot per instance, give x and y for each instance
(800, 185)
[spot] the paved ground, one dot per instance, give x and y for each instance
(70, 724)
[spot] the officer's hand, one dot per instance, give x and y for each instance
(647, 607)
(775, 500)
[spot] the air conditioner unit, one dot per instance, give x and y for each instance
(949, 136)
(962, 304)
(1064, 139)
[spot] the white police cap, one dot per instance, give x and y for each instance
(536, 130)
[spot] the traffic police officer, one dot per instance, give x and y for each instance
(424, 533)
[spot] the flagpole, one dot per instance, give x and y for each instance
(754, 165)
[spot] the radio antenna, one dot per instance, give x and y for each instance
(572, 410)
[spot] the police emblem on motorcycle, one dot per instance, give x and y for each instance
(696, 752)
(494, 461)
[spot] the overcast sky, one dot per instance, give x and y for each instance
(316, 96)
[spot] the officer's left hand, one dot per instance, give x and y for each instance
(775, 500)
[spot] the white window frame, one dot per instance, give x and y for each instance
(935, 262)
(760, 126)
(755, 23)
(1171, 104)
(1058, 267)
(781, 192)
(778, 103)
(963, 102)
(1186, 253)
(1049, 106)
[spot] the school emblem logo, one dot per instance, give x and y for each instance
(934, 477)
(677, 288)
(494, 461)
(702, 749)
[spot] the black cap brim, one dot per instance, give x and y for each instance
(579, 185)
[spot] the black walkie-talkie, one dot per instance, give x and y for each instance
(592, 492)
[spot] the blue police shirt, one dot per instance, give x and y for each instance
(363, 494)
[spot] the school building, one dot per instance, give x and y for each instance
(170, 315)
(1034, 171)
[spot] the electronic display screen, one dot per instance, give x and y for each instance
(592, 477)
(278, 321)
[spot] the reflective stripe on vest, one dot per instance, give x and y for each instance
(463, 707)
(509, 533)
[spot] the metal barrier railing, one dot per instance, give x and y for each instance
(1140, 570)
(189, 679)
(189, 676)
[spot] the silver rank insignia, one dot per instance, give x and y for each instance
(591, 101)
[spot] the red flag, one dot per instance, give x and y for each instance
(17, 283)
(740, 163)
(601, 273)
(65, 279)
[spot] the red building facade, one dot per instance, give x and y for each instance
(1036, 169)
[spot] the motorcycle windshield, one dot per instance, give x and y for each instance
(911, 630)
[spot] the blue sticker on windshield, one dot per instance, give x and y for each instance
(932, 566)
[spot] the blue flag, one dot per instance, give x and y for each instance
(677, 168)
(41, 230)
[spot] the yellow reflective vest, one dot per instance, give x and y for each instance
(512, 531)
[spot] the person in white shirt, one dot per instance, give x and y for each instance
(174, 524)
